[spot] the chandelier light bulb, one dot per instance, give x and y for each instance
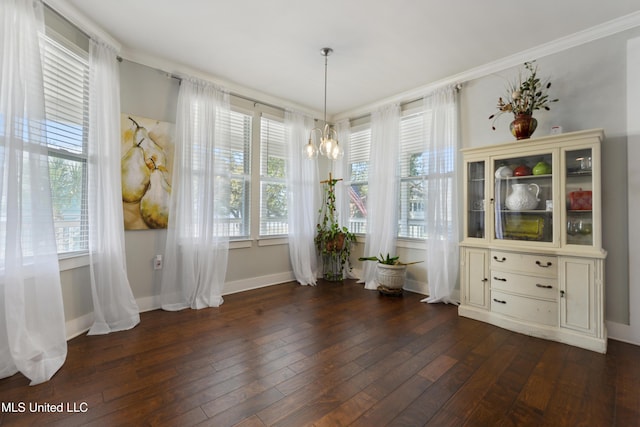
(323, 146)
(329, 145)
(310, 150)
(336, 152)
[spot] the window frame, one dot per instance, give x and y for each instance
(405, 220)
(246, 176)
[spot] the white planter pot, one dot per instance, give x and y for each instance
(391, 276)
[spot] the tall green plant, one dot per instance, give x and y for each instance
(332, 241)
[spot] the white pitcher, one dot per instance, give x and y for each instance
(522, 197)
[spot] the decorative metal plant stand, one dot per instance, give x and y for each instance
(332, 266)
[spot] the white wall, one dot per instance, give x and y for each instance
(631, 332)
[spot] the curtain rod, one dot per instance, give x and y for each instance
(237, 95)
(457, 86)
(402, 104)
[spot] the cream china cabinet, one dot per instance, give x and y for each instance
(531, 257)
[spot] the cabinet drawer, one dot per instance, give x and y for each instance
(526, 309)
(539, 287)
(537, 265)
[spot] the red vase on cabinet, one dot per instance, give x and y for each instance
(523, 126)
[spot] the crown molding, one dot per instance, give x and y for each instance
(84, 24)
(178, 70)
(576, 39)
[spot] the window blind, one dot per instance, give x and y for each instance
(360, 147)
(66, 93)
(273, 189)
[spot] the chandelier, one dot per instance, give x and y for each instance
(329, 145)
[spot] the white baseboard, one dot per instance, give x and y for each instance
(148, 303)
(416, 286)
(79, 325)
(621, 332)
(257, 282)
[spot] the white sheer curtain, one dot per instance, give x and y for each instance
(340, 170)
(441, 215)
(114, 306)
(303, 201)
(32, 324)
(198, 234)
(382, 209)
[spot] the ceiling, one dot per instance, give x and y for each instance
(381, 48)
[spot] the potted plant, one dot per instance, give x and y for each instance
(332, 241)
(390, 272)
(523, 98)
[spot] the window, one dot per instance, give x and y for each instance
(66, 91)
(414, 174)
(358, 179)
(416, 167)
(273, 187)
(413, 177)
(240, 202)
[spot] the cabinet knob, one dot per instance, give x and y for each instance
(561, 294)
(544, 286)
(539, 264)
(484, 280)
(503, 259)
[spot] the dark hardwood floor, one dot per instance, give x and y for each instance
(329, 355)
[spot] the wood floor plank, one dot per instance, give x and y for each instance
(347, 412)
(297, 399)
(386, 409)
(437, 368)
(465, 400)
(333, 354)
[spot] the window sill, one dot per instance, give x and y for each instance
(400, 242)
(70, 262)
(412, 243)
(240, 243)
(272, 241)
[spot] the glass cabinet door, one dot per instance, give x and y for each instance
(476, 199)
(579, 185)
(524, 198)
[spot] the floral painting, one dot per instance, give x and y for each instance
(146, 151)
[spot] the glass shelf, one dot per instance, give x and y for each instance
(579, 173)
(527, 211)
(476, 200)
(525, 177)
